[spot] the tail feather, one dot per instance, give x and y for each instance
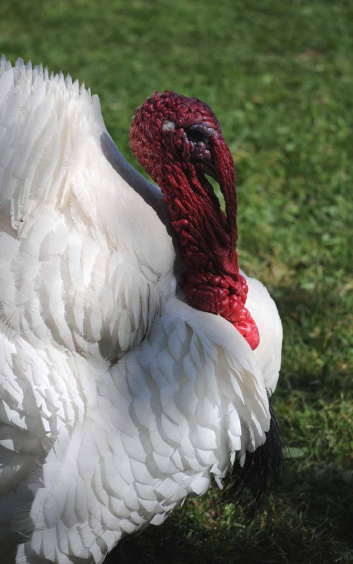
(261, 472)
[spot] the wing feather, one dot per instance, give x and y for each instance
(76, 222)
(264, 311)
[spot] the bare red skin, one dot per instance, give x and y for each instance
(159, 139)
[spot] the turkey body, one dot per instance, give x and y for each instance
(117, 398)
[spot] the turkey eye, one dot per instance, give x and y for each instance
(195, 136)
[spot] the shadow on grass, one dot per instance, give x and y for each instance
(310, 521)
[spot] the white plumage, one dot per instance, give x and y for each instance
(117, 398)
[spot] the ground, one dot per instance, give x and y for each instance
(279, 76)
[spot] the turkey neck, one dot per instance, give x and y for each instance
(211, 280)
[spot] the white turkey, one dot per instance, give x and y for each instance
(137, 361)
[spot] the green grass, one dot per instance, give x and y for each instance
(279, 76)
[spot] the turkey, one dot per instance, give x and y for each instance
(136, 359)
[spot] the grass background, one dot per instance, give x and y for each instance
(279, 76)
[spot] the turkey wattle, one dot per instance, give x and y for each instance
(177, 140)
(121, 389)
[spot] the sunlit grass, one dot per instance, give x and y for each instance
(279, 76)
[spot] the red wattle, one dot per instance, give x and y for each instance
(247, 328)
(215, 288)
(212, 293)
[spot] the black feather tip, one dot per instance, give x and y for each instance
(261, 473)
